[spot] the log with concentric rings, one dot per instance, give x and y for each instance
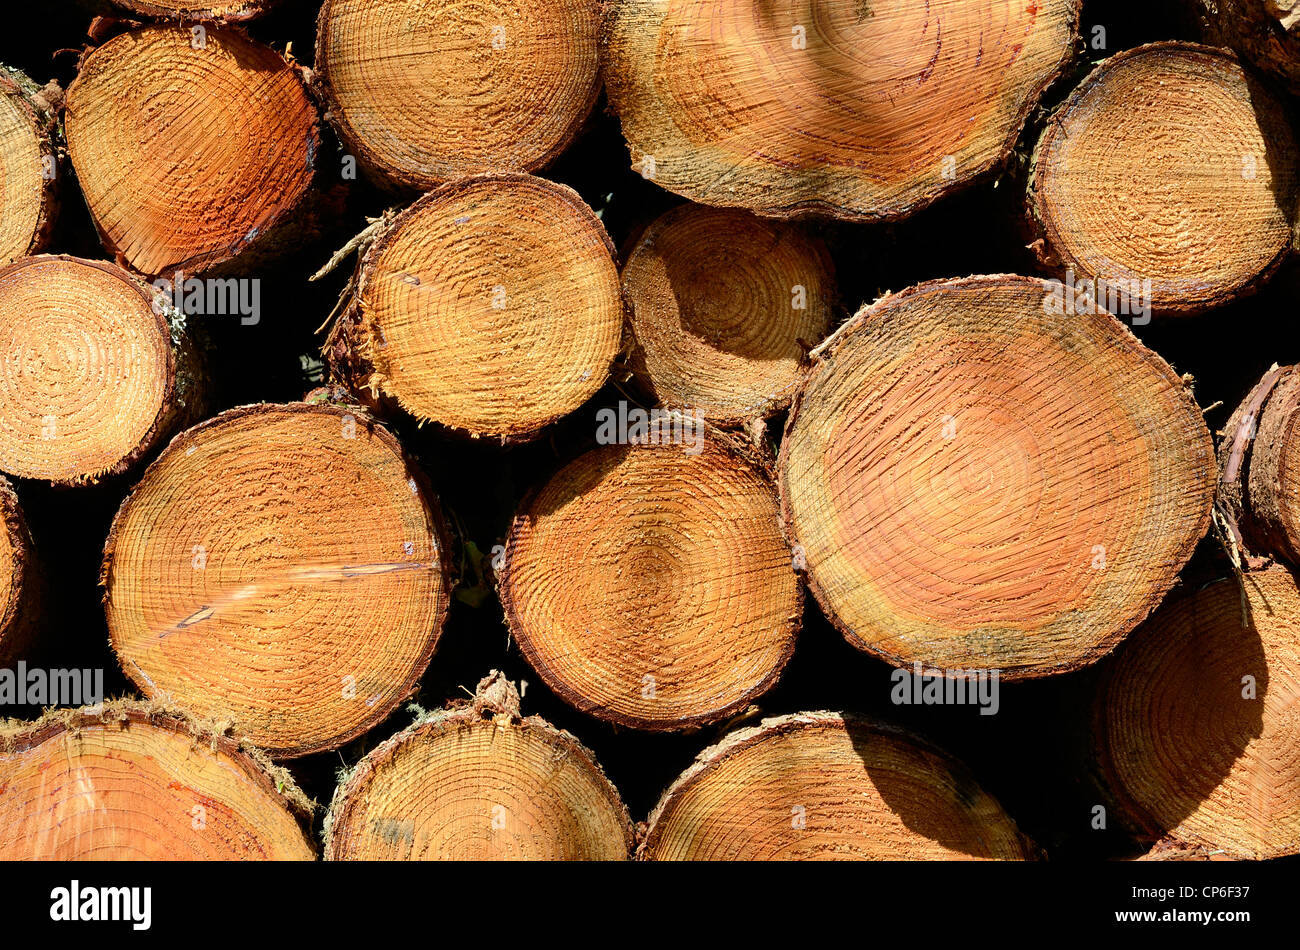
(649, 584)
(978, 482)
(864, 111)
(128, 781)
(823, 786)
(281, 568)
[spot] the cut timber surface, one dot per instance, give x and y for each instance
(1259, 464)
(479, 783)
(188, 11)
(724, 307)
(422, 94)
(188, 157)
(491, 306)
(28, 166)
(281, 568)
(126, 781)
(1198, 723)
(820, 786)
(16, 580)
(828, 107)
(92, 372)
(650, 586)
(1204, 209)
(976, 483)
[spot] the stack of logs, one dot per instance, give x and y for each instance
(978, 474)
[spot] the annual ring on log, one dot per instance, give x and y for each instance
(1201, 205)
(834, 107)
(127, 781)
(478, 784)
(491, 306)
(1197, 720)
(189, 147)
(89, 374)
(977, 482)
(423, 94)
(724, 307)
(650, 586)
(280, 567)
(28, 167)
(822, 786)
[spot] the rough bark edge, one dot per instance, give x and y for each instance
(438, 529)
(42, 114)
(17, 616)
(1045, 240)
(184, 390)
(495, 699)
(824, 362)
(741, 739)
(235, 11)
(744, 456)
(348, 350)
(636, 362)
(1248, 497)
(1133, 817)
(265, 242)
(399, 182)
(19, 735)
(820, 208)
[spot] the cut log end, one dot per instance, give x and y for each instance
(28, 167)
(977, 483)
(724, 307)
(818, 786)
(491, 307)
(427, 94)
(1197, 720)
(783, 108)
(650, 586)
(189, 147)
(88, 369)
(1204, 211)
(128, 782)
(283, 569)
(471, 784)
